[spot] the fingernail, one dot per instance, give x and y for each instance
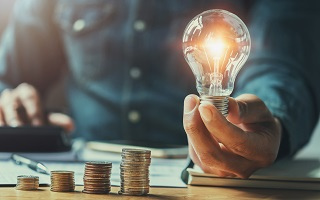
(205, 112)
(14, 123)
(189, 104)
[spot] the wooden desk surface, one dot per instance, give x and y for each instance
(192, 192)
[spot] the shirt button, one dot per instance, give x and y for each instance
(79, 25)
(134, 116)
(135, 73)
(139, 25)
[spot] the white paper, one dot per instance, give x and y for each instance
(163, 172)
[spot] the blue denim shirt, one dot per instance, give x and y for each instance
(126, 75)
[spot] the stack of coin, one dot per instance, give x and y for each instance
(134, 172)
(97, 177)
(62, 181)
(27, 182)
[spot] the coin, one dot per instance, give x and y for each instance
(25, 182)
(96, 191)
(134, 193)
(96, 177)
(62, 181)
(134, 171)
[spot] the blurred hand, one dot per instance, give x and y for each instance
(236, 146)
(23, 106)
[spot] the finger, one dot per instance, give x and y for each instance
(10, 108)
(248, 108)
(212, 158)
(219, 127)
(30, 99)
(207, 150)
(240, 166)
(206, 169)
(246, 144)
(2, 121)
(196, 131)
(193, 154)
(64, 121)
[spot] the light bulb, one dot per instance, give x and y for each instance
(216, 44)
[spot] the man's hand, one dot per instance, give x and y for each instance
(236, 146)
(23, 106)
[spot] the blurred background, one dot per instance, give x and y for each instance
(55, 98)
(5, 11)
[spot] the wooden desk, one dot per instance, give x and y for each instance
(192, 192)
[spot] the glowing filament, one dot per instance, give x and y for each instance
(215, 47)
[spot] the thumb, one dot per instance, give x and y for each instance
(62, 120)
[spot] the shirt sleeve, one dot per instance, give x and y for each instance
(30, 49)
(284, 39)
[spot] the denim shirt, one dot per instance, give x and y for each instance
(126, 75)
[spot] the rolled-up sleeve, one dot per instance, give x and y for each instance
(282, 65)
(30, 49)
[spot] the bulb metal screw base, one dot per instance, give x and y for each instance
(220, 102)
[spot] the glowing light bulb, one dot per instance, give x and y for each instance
(216, 44)
(215, 47)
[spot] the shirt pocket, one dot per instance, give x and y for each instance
(91, 36)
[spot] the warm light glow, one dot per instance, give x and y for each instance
(216, 44)
(215, 47)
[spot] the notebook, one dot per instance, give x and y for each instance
(287, 174)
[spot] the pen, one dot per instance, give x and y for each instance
(34, 165)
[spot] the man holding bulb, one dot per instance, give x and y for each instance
(237, 146)
(273, 114)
